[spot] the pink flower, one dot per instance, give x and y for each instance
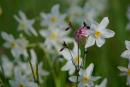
(81, 33)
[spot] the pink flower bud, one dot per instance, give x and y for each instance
(81, 33)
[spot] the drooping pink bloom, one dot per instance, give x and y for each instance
(81, 33)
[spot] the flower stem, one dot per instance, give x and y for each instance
(31, 68)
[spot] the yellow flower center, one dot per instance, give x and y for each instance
(98, 34)
(85, 79)
(77, 60)
(77, 14)
(21, 85)
(23, 26)
(13, 45)
(53, 19)
(129, 72)
(53, 36)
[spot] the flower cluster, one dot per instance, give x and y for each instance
(75, 65)
(24, 68)
(126, 54)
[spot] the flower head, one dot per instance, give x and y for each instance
(21, 81)
(25, 68)
(102, 84)
(85, 77)
(54, 18)
(98, 33)
(72, 61)
(126, 53)
(75, 14)
(54, 37)
(81, 33)
(125, 72)
(25, 24)
(17, 46)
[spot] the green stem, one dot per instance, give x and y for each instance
(52, 71)
(31, 69)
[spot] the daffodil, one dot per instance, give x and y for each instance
(25, 24)
(17, 46)
(21, 81)
(54, 18)
(126, 53)
(85, 77)
(125, 72)
(98, 33)
(54, 36)
(72, 61)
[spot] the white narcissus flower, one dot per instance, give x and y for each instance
(26, 69)
(54, 37)
(7, 66)
(17, 46)
(25, 24)
(98, 33)
(85, 77)
(54, 18)
(126, 53)
(93, 8)
(69, 66)
(102, 84)
(21, 81)
(125, 72)
(75, 14)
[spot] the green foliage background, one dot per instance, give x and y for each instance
(106, 58)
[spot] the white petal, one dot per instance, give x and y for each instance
(103, 23)
(72, 70)
(32, 30)
(127, 43)
(22, 15)
(75, 49)
(73, 78)
(16, 52)
(122, 69)
(66, 66)
(55, 9)
(103, 84)
(100, 42)
(66, 54)
(90, 41)
(95, 78)
(33, 57)
(126, 54)
(7, 44)
(81, 85)
(31, 84)
(107, 33)
(128, 80)
(7, 37)
(89, 70)
(44, 33)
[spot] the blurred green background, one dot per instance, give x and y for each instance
(106, 58)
